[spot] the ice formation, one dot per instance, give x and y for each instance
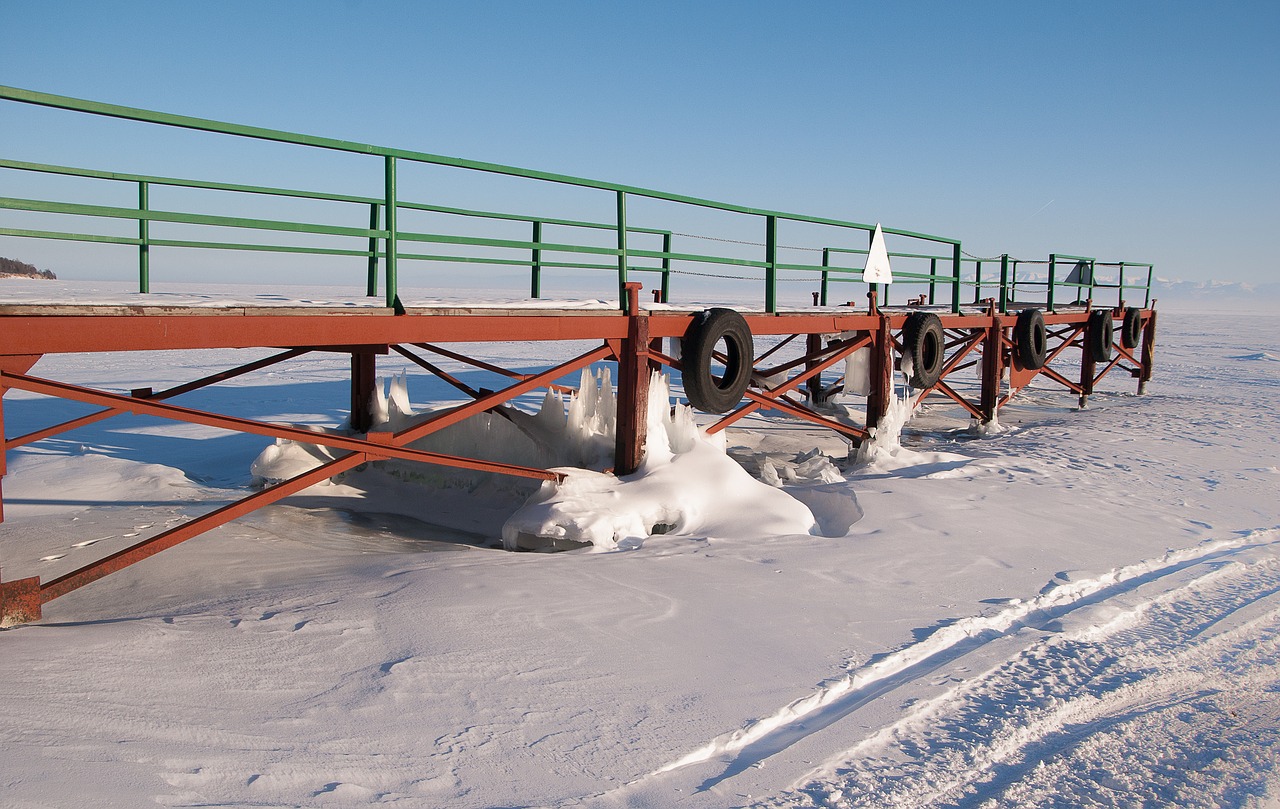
(687, 483)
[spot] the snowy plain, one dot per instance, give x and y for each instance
(1083, 610)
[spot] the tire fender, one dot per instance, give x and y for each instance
(924, 339)
(706, 391)
(1099, 335)
(1031, 339)
(1131, 329)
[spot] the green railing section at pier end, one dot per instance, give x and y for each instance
(939, 270)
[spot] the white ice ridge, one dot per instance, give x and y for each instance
(949, 636)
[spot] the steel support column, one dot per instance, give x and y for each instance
(633, 388)
(364, 371)
(1148, 347)
(813, 347)
(992, 367)
(881, 373)
(1088, 367)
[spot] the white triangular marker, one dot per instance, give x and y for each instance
(877, 270)
(1079, 274)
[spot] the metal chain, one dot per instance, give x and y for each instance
(743, 241)
(739, 277)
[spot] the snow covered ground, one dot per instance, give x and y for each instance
(1081, 611)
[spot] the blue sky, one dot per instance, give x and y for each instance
(1142, 131)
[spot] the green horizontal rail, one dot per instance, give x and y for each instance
(333, 144)
(381, 213)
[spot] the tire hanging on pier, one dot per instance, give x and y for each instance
(1131, 328)
(925, 341)
(1099, 334)
(1031, 339)
(705, 390)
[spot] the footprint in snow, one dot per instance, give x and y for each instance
(89, 542)
(55, 557)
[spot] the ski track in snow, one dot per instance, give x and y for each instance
(1132, 667)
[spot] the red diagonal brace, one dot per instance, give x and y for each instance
(392, 449)
(457, 414)
(150, 547)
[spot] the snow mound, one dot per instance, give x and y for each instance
(687, 484)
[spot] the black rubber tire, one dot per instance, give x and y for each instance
(706, 391)
(926, 342)
(1131, 329)
(1031, 339)
(1099, 334)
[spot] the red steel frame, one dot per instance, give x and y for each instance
(631, 338)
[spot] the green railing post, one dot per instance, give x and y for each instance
(955, 279)
(144, 246)
(535, 269)
(826, 262)
(375, 216)
(389, 191)
(622, 249)
(1121, 283)
(1093, 278)
(1146, 302)
(977, 282)
(933, 274)
(666, 267)
(1053, 268)
(771, 264)
(1004, 283)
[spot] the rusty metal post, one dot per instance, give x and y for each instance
(19, 601)
(4, 451)
(1148, 357)
(881, 373)
(813, 345)
(364, 370)
(992, 365)
(633, 387)
(1088, 367)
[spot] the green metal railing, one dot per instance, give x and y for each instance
(381, 238)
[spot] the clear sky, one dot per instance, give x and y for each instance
(1143, 131)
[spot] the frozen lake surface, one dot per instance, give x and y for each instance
(1084, 610)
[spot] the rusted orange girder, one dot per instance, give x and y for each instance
(26, 333)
